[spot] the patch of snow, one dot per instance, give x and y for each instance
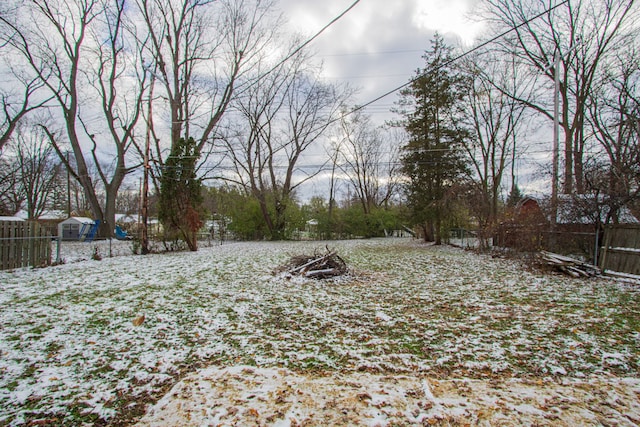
(382, 316)
(408, 315)
(242, 395)
(557, 370)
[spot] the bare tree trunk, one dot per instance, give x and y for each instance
(438, 230)
(428, 232)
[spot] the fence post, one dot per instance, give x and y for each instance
(58, 240)
(33, 251)
(605, 247)
(17, 244)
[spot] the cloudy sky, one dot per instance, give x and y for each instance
(378, 45)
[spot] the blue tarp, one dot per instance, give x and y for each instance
(121, 234)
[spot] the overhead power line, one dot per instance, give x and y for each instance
(305, 44)
(384, 95)
(396, 89)
(454, 59)
(322, 30)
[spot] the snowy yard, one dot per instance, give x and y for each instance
(416, 335)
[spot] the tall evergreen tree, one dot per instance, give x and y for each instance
(432, 159)
(180, 194)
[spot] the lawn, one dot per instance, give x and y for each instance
(445, 333)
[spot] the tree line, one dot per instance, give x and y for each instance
(219, 106)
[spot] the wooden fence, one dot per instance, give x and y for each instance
(24, 244)
(621, 249)
(578, 242)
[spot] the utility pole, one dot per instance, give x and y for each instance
(139, 221)
(68, 188)
(145, 184)
(556, 142)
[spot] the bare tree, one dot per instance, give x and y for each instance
(11, 198)
(580, 36)
(614, 116)
(20, 93)
(16, 104)
(333, 152)
(38, 169)
(369, 160)
(496, 119)
(198, 51)
(129, 199)
(283, 115)
(79, 54)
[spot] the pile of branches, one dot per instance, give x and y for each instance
(316, 266)
(567, 265)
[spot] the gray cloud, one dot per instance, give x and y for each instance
(378, 45)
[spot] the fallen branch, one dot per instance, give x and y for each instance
(567, 265)
(327, 272)
(313, 262)
(316, 266)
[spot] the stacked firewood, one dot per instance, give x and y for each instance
(567, 265)
(316, 266)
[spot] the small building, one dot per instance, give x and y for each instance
(577, 229)
(75, 228)
(528, 211)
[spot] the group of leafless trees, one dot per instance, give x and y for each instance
(592, 49)
(113, 85)
(95, 90)
(574, 64)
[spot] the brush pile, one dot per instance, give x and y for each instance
(316, 266)
(567, 265)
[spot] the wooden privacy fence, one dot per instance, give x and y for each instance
(536, 237)
(621, 249)
(24, 244)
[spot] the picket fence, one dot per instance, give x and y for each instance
(24, 244)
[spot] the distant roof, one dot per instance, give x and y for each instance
(581, 209)
(11, 218)
(575, 209)
(81, 219)
(126, 218)
(48, 214)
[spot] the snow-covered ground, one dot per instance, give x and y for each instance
(415, 335)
